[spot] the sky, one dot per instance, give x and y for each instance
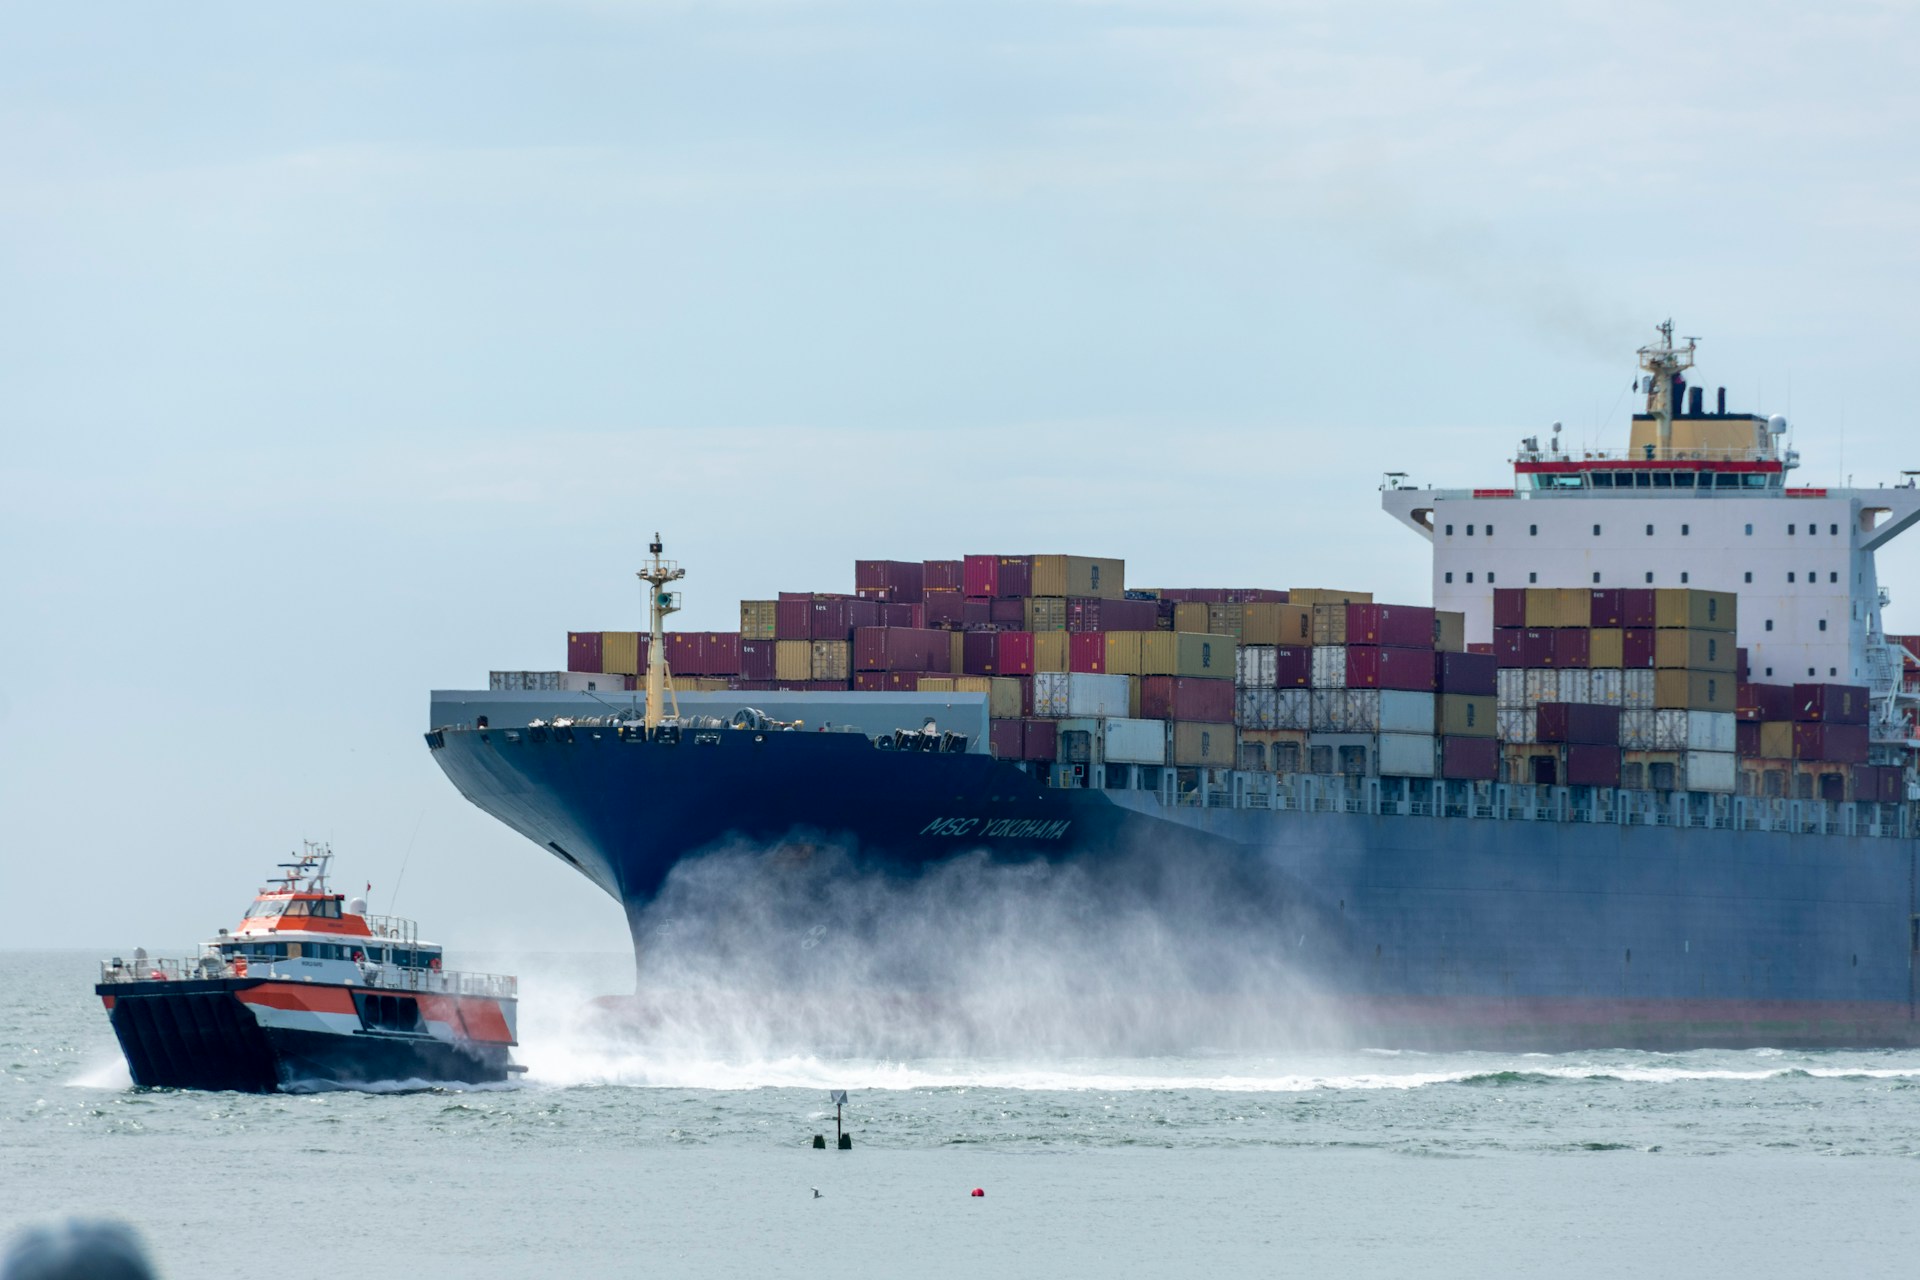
(353, 350)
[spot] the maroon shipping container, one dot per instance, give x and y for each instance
(795, 595)
(743, 685)
(998, 653)
(1636, 607)
(1893, 785)
(1830, 704)
(1607, 608)
(900, 649)
(1509, 607)
(1510, 647)
(870, 681)
(703, 653)
(1007, 613)
(1293, 667)
(1636, 647)
(1746, 737)
(1470, 759)
(1776, 701)
(835, 617)
(1087, 651)
(900, 615)
(1840, 743)
(583, 650)
(1006, 738)
(1536, 648)
(946, 575)
(1397, 626)
(1474, 646)
(1186, 698)
(1091, 614)
(1039, 740)
(1571, 647)
(1591, 765)
(943, 608)
(903, 580)
(1474, 674)
(793, 619)
(1586, 723)
(987, 577)
(1380, 667)
(756, 659)
(976, 614)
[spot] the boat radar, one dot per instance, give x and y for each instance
(661, 602)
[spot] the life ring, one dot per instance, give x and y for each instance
(434, 964)
(359, 957)
(239, 966)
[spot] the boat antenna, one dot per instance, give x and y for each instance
(657, 574)
(1664, 364)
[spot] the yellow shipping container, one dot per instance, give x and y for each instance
(832, 660)
(1277, 624)
(1680, 690)
(793, 660)
(1310, 596)
(1686, 608)
(1449, 631)
(1123, 651)
(1693, 650)
(1046, 613)
(1190, 615)
(699, 684)
(1179, 653)
(1559, 607)
(1226, 620)
(1329, 624)
(1079, 576)
(1050, 650)
(757, 619)
(1199, 745)
(1465, 715)
(620, 652)
(1133, 697)
(936, 684)
(1776, 739)
(1606, 647)
(1004, 698)
(957, 651)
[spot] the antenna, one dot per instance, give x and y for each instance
(1665, 362)
(658, 573)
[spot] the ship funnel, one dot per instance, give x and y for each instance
(1694, 397)
(1722, 410)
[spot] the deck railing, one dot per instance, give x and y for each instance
(385, 977)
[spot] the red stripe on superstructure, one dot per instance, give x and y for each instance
(309, 999)
(1642, 464)
(1806, 493)
(1493, 493)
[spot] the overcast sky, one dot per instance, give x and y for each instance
(350, 350)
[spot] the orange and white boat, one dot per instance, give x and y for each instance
(309, 989)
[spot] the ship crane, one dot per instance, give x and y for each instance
(661, 602)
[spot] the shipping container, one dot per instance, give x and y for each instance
(988, 577)
(556, 681)
(1636, 647)
(1274, 708)
(1685, 608)
(1044, 613)
(792, 660)
(1638, 690)
(1592, 765)
(1766, 701)
(1170, 653)
(1270, 623)
(1398, 626)
(945, 575)
(1078, 576)
(1746, 738)
(703, 653)
(944, 607)
(1640, 730)
(1693, 650)
(1517, 725)
(1604, 687)
(902, 580)
(1007, 738)
(759, 659)
(1007, 615)
(1087, 652)
(1079, 695)
(1571, 648)
(1254, 666)
(1201, 745)
(1636, 609)
(583, 651)
(1577, 722)
(1449, 631)
(1192, 615)
(1316, 596)
(1693, 691)
(1329, 624)
(899, 648)
(1606, 646)
(1573, 685)
(1554, 607)
(1510, 608)
(1050, 651)
(1840, 743)
(759, 619)
(1137, 741)
(1407, 755)
(1091, 613)
(1607, 610)
(1466, 759)
(831, 660)
(1039, 741)
(1830, 703)
(623, 652)
(1468, 673)
(1776, 739)
(1329, 666)
(1007, 697)
(1462, 715)
(1403, 711)
(1378, 667)
(1715, 771)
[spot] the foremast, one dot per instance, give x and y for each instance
(660, 602)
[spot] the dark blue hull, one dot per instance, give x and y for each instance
(1425, 930)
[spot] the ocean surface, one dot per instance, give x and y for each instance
(652, 1154)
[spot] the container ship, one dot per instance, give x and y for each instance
(1642, 775)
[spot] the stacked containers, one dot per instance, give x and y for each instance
(1374, 679)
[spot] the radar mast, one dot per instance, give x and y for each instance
(661, 602)
(1664, 364)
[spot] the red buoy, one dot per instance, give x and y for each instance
(978, 1192)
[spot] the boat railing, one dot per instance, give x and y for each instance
(387, 977)
(396, 928)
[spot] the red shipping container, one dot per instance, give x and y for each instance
(1088, 614)
(1293, 667)
(795, 595)
(945, 575)
(1893, 785)
(1008, 613)
(1756, 701)
(1510, 647)
(976, 614)
(997, 653)
(1636, 647)
(1470, 759)
(1474, 674)
(1536, 648)
(1608, 607)
(1186, 698)
(703, 653)
(870, 681)
(1840, 743)
(903, 580)
(988, 577)
(1746, 737)
(793, 619)
(1509, 607)
(1591, 765)
(1474, 646)
(1398, 626)
(943, 608)
(1586, 723)
(583, 651)
(1006, 738)
(835, 617)
(1381, 667)
(1087, 651)
(1039, 740)
(1830, 704)
(899, 615)
(1570, 648)
(756, 659)
(900, 649)
(1636, 608)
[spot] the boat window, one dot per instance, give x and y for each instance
(1643, 479)
(327, 907)
(296, 907)
(266, 908)
(1756, 481)
(1726, 481)
(1603, 479)
(1663, 479)
(1683, 479)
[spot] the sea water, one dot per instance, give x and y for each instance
(639, 1154)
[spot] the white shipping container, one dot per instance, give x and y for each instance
(1294, 708)
(1709, 731)
(1330, 666)
(1606, 686)
(1135, 741)
(556, 681)
(1709, 771)
(1256, 708)
(1542, 686)
(1345, 711)
(1636, 689)
(1517, 725)
(1255, 666)
(1079, 695)
(1575, 685)
(1510, 683)
(1402, 711)
(1638, 730)
(1406, 755)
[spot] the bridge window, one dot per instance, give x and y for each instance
(1823, 624)
(1449, 577)
(1649, 577)
(1833, 577)
(1489, 531)
(1683, 578)
(1834, 529)
(1790, 529)
(1469, 531)
(1749, 531)
(1769, 624)
(1649, 531)
(1489, 577)
(1533, 577)
(1596, 578)
(1596, 531)
(1663, 479)
(1533, 531)
(1789, 575)
(1683, 479)
(1749, 575)
(1469, 577)
(1685, 530)
(1449, 531)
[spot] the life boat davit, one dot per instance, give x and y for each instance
(309, 990)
